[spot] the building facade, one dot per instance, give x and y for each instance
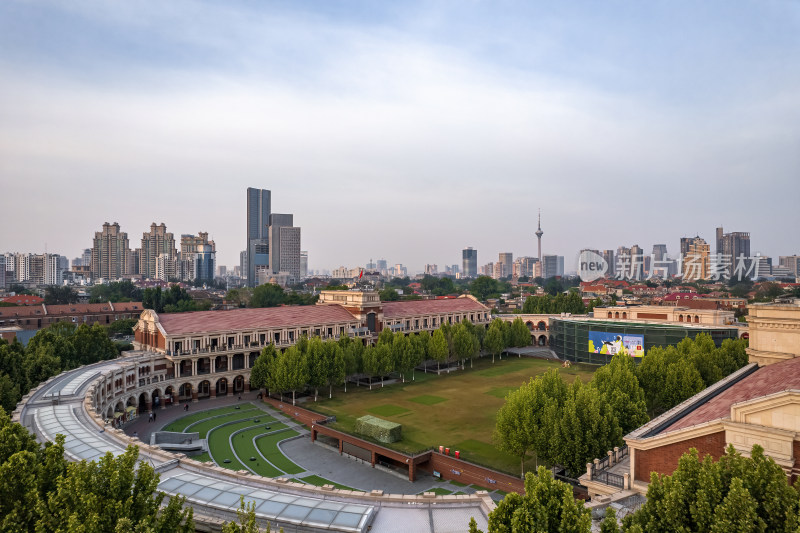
(110, 253)
(259, 205)
(156, 243)
(469, 262)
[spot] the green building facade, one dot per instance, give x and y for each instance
(570, 338)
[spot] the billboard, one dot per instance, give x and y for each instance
(611, 343)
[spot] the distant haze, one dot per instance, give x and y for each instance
(402, 130)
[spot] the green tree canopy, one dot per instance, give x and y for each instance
(736, 493)
(618, 383)
(547, 507)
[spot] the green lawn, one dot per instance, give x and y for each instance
(268, 445)
(183, 422)
(220, 448)
(428, 399)
(204, 426)
(245, 449)
(439, 491)
(463, 421)
(320, 481)
(388, 410)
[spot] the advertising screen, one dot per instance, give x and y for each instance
(613, 343)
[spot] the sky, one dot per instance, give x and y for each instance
(402, 130)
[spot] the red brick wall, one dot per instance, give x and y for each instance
(664, 459)
(470, 473)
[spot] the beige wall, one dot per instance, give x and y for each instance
(774, 332)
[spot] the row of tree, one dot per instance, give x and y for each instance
(570, 425)
(317, 364)
(59, 347)
(570, 302)
(672, 374)
(268, 295)
(736, 493)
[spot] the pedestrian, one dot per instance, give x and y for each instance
(150, 417)
(135, 434)
(154, 416)
(240, 399)
(186, 407)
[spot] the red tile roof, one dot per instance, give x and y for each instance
(248, 319)
(68, 309)
(428, 307)
(24, 299)
(764, 381)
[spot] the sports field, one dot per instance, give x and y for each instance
(456, 410)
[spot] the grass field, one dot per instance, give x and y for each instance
(320, 481)
(182, 423)
(268, 445)
(456, 410)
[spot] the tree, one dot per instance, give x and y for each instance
(54, 295)
(514, 432)
(370, 363)
(121, 327)
(618, 383)
(337, 367)
(736, 493)
(682, 382)
(291, 371)
(609, 523)
(587, 429)
(495, 340)
(267, 295)
(260, 375)
(386, 337)
(112, 494)
(385, 359)
(318, 364)
(464, 344)
(520, 335)
(246, 516)
(437, 347)
(547, 507)
(402, 352)
(484, 287)
(389, 295)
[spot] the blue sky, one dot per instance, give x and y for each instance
(403, 130)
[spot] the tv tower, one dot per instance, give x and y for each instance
(539, 234)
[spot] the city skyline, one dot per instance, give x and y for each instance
(442, 123)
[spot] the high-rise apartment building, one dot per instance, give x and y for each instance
(110, 252)
(158, 241)
(259, 208)
(198, 257)
(791, 262)
(2, 271)
(524, 267)
(506, 259)
(552, 266)
(696, 261)
(469, 262)
(731, 247)
(243, 264)
(284, 245)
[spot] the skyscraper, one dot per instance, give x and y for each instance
(506, 259)
(198, 257)
(552, 266)
(259, 205)
(110, 252)
(469, 262)
(731, 246)
(284, 245)
(696, 261)
(158, 241)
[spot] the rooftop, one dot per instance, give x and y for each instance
(249, 319)
(424, 307)
(763, 382)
